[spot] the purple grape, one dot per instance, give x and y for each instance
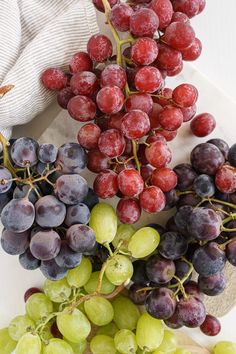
(80, 238)
(22, 190)
(191, 312)
(47, 153)
(232, 155)
(231, 253)
(209, 259)
(222, 146)
(171, 225)
(161, 303)
(160, 229)
(213, 285)
(71, 189)
(24, 152)
(172, 245)
(28, 261)
(45, 245)
(160, 270)
(63, 97)
(52, 271)
(222, 196)
(67, 258)
(218, 208)
(139, 275)
(171, 199)
(91, 199)
(204, 224)
(182, 218)
(71, 158)
(204, 186)
(186, 176)
(206, 158)
(5, 198)
(77, 214)
(191, 199)
(192, 288)
(50, 212)
(138, 297)
(173, 322)
(18, 215)
(181, 269)
(14, 243)
(5, 177)
(192, 247)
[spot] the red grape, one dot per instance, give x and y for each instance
(188, 112)
(171, 118)
(99, 48)
(148, 79)
(81, 108)
(54, 79)
(152, 199)
(193, 51)
(185, 95)
(113, 75)
(168, 58)
(64, 96)
(144, 51)
(120, 167)
(157, 137)
(146, 172)
(97, 161)
(105, 184)
(111, 143)
(84, 83)
(115, 120)
(102, 122)
(202, 4)
(80, 62)
(135, 124)
(120, 16)
(211, 326)
(158, 154)
(179, 35)
(203, 124)
(153, 116)
(167, 134)
(128, 210)
(164, 178)
(165, 97)
(180, 17)
(30, 292)
(130, 182)
(225, 179)
(55, 331)
(88, 136)
(99, 4)
(110, 99)
(164, 11)
(189, 7)
(141, 101)
(141, 154)
(144, 22)
(177, 70)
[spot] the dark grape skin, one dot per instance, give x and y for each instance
(209, 259)
(173, 322)
(182, 218)
(136, 295)
(192, 288)
(71, 158)
(5, 199)
(47, 153)
(204, 186)
(222, 146)
(71, 188)
(91, 199)
(49, 211)
(45, 245)
(188, 199)
(159, 228)
(191, 312)
(67, 258)
(181, 269)
(211, 326)
(232, 155)
(160, 270)
(21, 191)
(5, 176)
(139, 275)
(231, 253)
(14, 243)
(30, 292)
(173, 245)
(28, 261)
(186, 176)
(77, 214)
(212, 285)
(52, 271)
(24, 152)
(161, 303)
(171, 225)
(80, 238)
(171, 199)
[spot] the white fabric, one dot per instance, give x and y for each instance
(34, 35)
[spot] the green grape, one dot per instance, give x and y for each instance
(99, 310)
(79, 348)
(109, 330)
(29, 344)
(102, 344)
(125, 342)
(91, 285)
(224, 348)
(38, 305)
(80, 275)
(144, 242)
(158, 352)
(19, 326)
(169, 343)
(124, 233)
(149, 332)
(126, 313)
(57, 290)
(46, 333)
(185, 351)
(103, 221)
(74, 326)
(7, 344)
(119, 269)
(57, 346)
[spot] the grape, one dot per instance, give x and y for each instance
(169, 343)
(77, 214)
(22, 190)
(143, 242)
(212, 285)
(139, 101)
(144, 51)
(80, 238)
(71, 158)
(54, 79)
(38, 306)
(14, 243)
(84, 83)
(99, 310)
(139, 274)
(168, 59)
(164, 178)
(181, 269)
(5, 179)
(122, 237)
(172, 245)
(99, 48)
(137, 295)
(113, 75)
(231, 252)
(18, 215)
(80, 62)
(171, 199)
(192, 288)
(71, 189)
(204, 186)
(186, 176)
(56, 345)
(50, 212)
(74, 326)
(28, 261)
(47, 153)
(110, 99)
(30, 292)
(148, 79)
(191, 312)
(55, 331)
(176, 70)
(190, 199)
(193, 51)
(126, 314)
(188, 112)
(125, 341)
(225, 179)
(170, 118)
(80, 275)
(57, 291)
(130, 182)
(149, 332)
(101, 344)
(128, 210)
(88, 136)
(78, 348)
(52, 271)
(164, 11)
(19, 326)
(189, 7)
(158, 154)
(28, 344)
(103, 221)
(120, 16)
(179, 35)
(206, 158)
(110, 329)
(224, 347)
(182, 219)
(97, 161)
(161, 303)
(81, 108)
(24, 152)
(111, 143)
(91, 286)
(64, 96)
(180, 17)
(185, 95)
(152, 199)
(174, 321)
(222, 146)
(45, 245)
(5, 198)
(7, 344)
(209, 259)
(211, 326)
(182, 351)
(135, 124)
(119, 269)
(160, 270)
(203, 124)
(143, 22)
(67, 258)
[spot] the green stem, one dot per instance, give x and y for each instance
(223, 245)
(6, 159)
(229, 218)
(109, 249)
(134, 145)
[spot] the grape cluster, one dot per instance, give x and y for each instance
(134, 114)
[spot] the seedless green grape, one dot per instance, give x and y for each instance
(149, 332)
(19, 326)
(103, 221)
(38, 305)
(74, 326)
(57, 346)
(119, 269)
(125, 342)
(126, 313)
(79, 348)
(57, 290)
(109, 329)
(144, 242)
(225, 347)
(80, 275)
(102, 344)
(91, 285)
(99, 310)
(169, 343)
(46, 331)
(7, 344)
(28, 344)
(123, 234)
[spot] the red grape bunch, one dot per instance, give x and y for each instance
(128, 112)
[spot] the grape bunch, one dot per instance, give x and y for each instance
(128, 112)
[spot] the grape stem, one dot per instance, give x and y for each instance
(6, 159)
(223, 245)
(180, 286)
(134, 145)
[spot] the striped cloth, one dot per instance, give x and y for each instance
(36, 34)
